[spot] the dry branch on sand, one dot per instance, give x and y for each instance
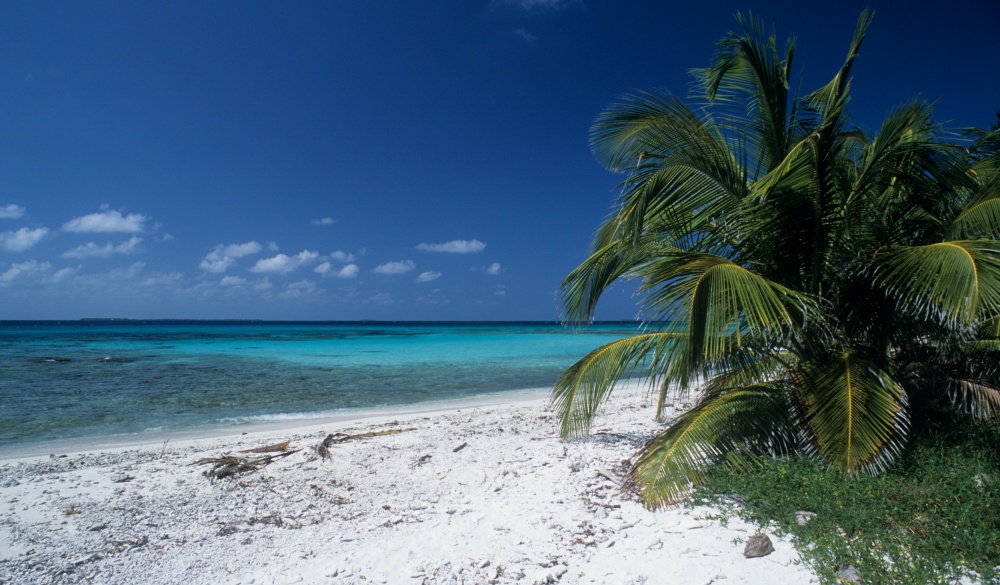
(233, 465)
(275, 448)
(323, 448)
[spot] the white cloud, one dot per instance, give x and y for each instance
(22, 239)
(92, 250)
(283, 263)
(162, 279)
(63, 273)
(493, 269)
(525, 34)
(222, 257)
(11, 211)
(400, 267)
(348, 271)
(232, 281)
(279, 264)
(105, 222)
(240, 250)
(339, 256)
(454, 246)
(428, 276)
(24, 269)
(299, 289)
(323, 221)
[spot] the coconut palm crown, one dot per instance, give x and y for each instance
(808, 282)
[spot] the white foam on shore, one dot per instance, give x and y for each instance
(238, 426)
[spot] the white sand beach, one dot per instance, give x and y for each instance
(482, 493)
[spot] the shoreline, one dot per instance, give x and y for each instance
(289, 423)
(478, 494)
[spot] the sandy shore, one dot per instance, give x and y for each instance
(478, 494)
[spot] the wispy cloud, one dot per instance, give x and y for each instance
(323, 221)
(282, 263)
(454, 247)
(222, 257)
(23, 270)
(22, 239)
(106, 222)
(525, 34)
(493, 269)
(11, 211)
(232, 281)
(92, 250)
(303, 288)
(346, 271)
(339, 256)
(428, 276)
(400, 267)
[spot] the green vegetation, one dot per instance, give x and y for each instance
(932, 516)
(820, 286)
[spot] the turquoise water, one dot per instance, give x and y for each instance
(61, 380)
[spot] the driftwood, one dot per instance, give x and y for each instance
(323, 448)
(233, 465)
(275, 448)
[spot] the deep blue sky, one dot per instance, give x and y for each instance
(372, 159)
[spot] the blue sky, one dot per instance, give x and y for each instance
(377, 159)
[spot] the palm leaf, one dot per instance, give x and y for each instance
(854, 412)
(953, 282)
(976, 397)
(719, 301)
(585, 386)
(726, 423)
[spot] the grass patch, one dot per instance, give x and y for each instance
(933, 516)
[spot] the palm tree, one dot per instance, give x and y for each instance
(807, 281)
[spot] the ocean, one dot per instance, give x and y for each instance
(129, 379)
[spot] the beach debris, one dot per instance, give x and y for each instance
(849, 574)
(421, 461)
(323, 448)
(758, 545)
(610, 475)
(275, 448)
(802, 517)
(233, 465)
(460, 447)
(71, 510)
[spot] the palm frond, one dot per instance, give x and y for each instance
(729, 423)
(719, 301)
(976, 397)
(854, 411)
(585, 386)
(952, 282)
(582, 288)
(748, 65)
(981, 217)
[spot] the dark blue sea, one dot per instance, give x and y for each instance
(90, 379)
